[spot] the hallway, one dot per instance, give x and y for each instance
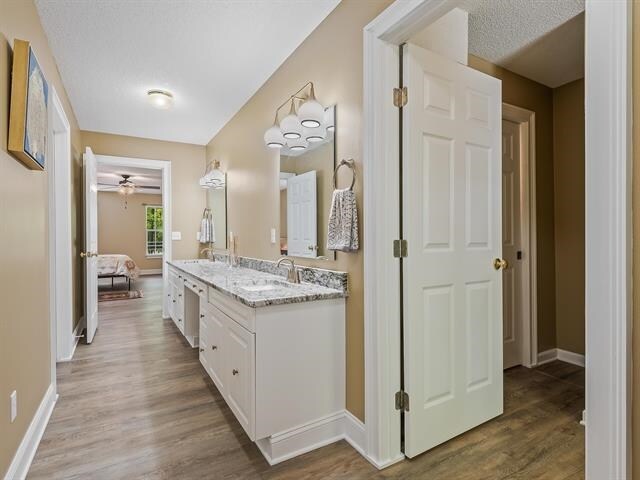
(137, 404)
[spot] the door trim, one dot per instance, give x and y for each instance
(165, 167)
(529, 308)
(62, 336)
(608, 227)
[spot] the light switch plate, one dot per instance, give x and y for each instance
(14, 405)
(273, 236)
(176, 235)
(198, 236)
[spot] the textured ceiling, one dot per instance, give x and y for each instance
(539, 39)
(212, 54)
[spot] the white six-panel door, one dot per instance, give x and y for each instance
(452, 294)
(302, 214)
(91, 243)
(511, 245)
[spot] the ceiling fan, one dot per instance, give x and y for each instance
(126, 186)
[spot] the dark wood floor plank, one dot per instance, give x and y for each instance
(136, 404)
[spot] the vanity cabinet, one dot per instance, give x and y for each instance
(280, 368)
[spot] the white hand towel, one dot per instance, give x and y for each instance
(205, 231)
(342, 233)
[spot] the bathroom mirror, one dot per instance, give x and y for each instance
(217, 205)
(306, 187)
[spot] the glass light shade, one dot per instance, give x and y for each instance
(297, 145)
(127, 189)
(314, 135)
(273, 137)
(290, 125)
(311, 113)
(161, 99)
(216, 179)
(329, 120)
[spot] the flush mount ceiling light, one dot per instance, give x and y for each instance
(161, 99)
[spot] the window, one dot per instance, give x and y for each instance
(153, 217)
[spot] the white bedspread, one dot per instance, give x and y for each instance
(117, 265)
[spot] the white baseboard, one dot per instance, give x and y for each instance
(560, 354)
(319, 433)
(76, 338)
(151, 271)
(29, 445)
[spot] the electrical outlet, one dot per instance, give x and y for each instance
(273, 236)
(14, 405)
(176, 235)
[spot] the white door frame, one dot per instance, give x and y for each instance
(608, 229)
(165, 167)
(62, 339)
(526, 119)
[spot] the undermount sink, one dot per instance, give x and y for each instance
(266, 285)
(259, 288)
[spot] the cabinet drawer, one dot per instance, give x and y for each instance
(196, 286)
(242, 314)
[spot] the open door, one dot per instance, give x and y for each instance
(90, 252)
(452, 294)
(302, 214)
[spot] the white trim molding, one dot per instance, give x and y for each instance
(21, 462)
(151, 271)
(319, 433)
(560, 354)
(76, 335)
(165, 167)
(608, 238)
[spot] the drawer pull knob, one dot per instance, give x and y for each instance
(235, 372)
(202, 349)
(179, 294)
(180, 320)
(173, 301)
(179, 276)
(214, 347)
(202, 315)
(200, 291)
(194, 285)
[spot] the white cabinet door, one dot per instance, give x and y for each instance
(239, 373)
(204, 340)
(302, 214)
(452, 209)
(217, 348)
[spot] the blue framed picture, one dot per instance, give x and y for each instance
(28, 121)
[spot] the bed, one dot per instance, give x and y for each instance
(117, 266)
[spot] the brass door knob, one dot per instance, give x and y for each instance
(213, 347)
(84, 254)
(500, 264)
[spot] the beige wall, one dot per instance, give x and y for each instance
(123, 231)
(187, 166)
(24, 323)
(525, 93)
(569, 212)
(332, 58)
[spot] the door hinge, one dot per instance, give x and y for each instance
(402, 401)
(400, 248)
(400, 97)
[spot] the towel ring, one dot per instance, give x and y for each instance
(349, 163)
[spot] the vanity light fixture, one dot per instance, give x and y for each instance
(162, 99)
(313, 135)
(290, 125)
(297, 145)
(311, 112)
(273, 137)
(310, 115)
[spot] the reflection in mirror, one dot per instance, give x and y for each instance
(306, 186)
(217, 204)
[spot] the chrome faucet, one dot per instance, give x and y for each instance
(209, 252)
(292, 273)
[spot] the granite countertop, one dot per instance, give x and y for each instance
(252, 287)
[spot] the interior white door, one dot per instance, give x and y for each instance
(90, 253)
(452, 294)
(511, 245)
(302, 214)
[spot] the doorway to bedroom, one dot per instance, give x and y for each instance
(127, 233)
(130, 230)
